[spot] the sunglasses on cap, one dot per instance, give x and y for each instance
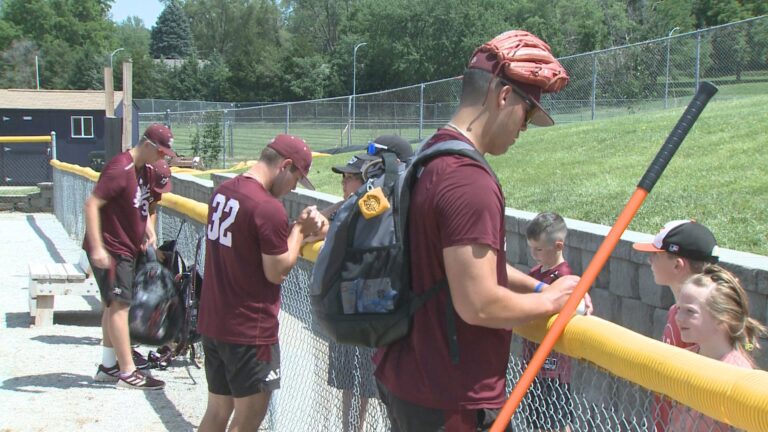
(531, 110)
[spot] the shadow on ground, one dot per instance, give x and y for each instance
(58, 380)
(67, 340)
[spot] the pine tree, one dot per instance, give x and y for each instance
(171, 35)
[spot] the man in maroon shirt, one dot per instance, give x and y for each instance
(116, 230)
(457, 233)
(250, 249)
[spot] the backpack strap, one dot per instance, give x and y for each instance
(450, 147)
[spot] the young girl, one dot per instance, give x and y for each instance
(714, 313)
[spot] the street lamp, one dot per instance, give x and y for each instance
(666, 81)
(354, 79)
(113, 54)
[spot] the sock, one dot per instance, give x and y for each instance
(108, 358)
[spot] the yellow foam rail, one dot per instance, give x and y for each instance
(194, 209)
(724, 392)
(25, 139)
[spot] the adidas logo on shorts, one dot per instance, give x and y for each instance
(117, 291)
(273, 375)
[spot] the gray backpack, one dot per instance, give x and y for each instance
(360, 289)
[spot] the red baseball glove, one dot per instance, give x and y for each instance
(526, 58)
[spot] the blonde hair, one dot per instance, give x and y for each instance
(729, 304)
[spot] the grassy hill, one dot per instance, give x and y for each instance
(588, 170)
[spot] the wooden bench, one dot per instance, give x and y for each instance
(49, 280)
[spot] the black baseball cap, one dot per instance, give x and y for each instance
(354, 165)
(392, 143)
(684, 238)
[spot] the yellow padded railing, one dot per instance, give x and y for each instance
(26, 139)
(194, 209)
(724, 392)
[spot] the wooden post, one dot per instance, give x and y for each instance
(127, 105)
(44, 313)
(109, 92)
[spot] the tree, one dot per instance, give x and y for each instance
(18, 68)
(171, 35)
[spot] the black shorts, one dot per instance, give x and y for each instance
(551, 407)
(115, 285)
(405, 416)
(241, 370)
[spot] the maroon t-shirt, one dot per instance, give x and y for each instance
(127, 193)
(239, 305)
(557, 365)
(455, 201)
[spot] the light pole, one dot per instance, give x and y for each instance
(113, 54)
(666, 81)
(354, 79)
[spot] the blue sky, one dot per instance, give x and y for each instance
(147, 10)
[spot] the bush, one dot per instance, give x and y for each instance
(208, 144)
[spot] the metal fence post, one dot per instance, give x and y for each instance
(594, 83)
(349, 123)
(698, 57)
(287, 118)
(53, 145)
(421, 109)
(224, 141)
(168, 118)
(666, 80)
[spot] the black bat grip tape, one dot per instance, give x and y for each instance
(676, 137)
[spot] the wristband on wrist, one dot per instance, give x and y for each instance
(538, 287)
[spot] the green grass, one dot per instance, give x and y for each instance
(18, 190)
(588, 170)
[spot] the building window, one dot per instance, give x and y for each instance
(82, 127)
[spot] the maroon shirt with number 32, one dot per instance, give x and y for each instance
(238, 304)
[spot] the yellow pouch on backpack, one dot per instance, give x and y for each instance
(373, 203)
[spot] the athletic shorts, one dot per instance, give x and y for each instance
(241, 370)
(405, 416)
(115, 284)
(551, 407)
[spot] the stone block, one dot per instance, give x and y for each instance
(652, 294)
(606, 304)
(659, 322)
(761, 281)
(637, 316)
(757, 306)
(573, 256)
(513, 241)
(624, 278)
(604, 277)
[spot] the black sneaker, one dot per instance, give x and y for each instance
(105, 374)
(138, 381)
(139, 360)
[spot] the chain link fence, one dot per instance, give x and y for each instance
(24, 161)
(330, 387)
(652, 75)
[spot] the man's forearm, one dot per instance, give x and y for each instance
(519, 281)
(93, 225)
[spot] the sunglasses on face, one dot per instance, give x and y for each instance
(531, 106)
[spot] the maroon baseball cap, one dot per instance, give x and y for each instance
(161, 137)
(488, 62)
(297, 150)
(162, 181)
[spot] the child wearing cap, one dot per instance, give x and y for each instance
(682, 249)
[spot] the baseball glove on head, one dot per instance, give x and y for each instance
(520, 56)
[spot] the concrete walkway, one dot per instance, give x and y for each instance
(46, 373)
